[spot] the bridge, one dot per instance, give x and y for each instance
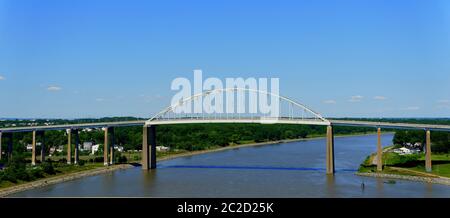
(290, 112)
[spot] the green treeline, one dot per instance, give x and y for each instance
(440, 141)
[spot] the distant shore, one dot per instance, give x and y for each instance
(104, 170)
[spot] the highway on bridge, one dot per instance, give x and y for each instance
(333, 122)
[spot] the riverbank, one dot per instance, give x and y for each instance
(61, 178)
(408, 167)
(103, 170)
(435, 180)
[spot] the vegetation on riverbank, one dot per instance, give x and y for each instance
(413, 164)
(19, 170)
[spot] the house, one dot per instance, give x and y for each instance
(29, 147)
(94, 148)
(162, 148)
(417, 145)
(118, 148)
(405, 151)
(413, 145)
(87, 146)
(52, 150)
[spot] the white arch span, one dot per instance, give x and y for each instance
(160, 119)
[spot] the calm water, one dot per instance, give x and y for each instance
(280, 170)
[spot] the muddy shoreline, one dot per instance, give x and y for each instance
(434, 180)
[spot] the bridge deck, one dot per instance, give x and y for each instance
(74, 126)
(259, 120)
(234, 120)
(391, 125)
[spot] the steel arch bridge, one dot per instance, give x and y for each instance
(290, 111)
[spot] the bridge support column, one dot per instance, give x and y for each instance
(69, 146)
(111, 147)
(330, 151)
(149, 148)
(10, 146)
(428, 151)
(379, 152)
(33, 149)
(77, 142)
(105, 148)
(0, 145)
(42, 134)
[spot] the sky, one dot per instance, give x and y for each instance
(343, 58)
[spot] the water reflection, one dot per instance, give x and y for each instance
(380, 184)
(330, 183)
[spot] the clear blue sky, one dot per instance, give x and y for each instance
(85, 58)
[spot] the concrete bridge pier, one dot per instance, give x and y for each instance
(42, 135)
(69, 146)
(379, 152)
(105, 147)
(10, 145)
(330, 151)
(428, 151)
(33, 149)
(149, 147)
(111, 146)
(0, 145)
(77, 142)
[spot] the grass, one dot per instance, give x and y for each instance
(6, 184)
(60, 169)
(438, 169)
(74, 168)
(413, 164)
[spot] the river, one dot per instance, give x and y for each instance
(295, 169)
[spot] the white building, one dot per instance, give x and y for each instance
(29, 147)
(405, 151)
(94, 148)
(415, 145)
(118, 148)
(87, 146)
(162, 148)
